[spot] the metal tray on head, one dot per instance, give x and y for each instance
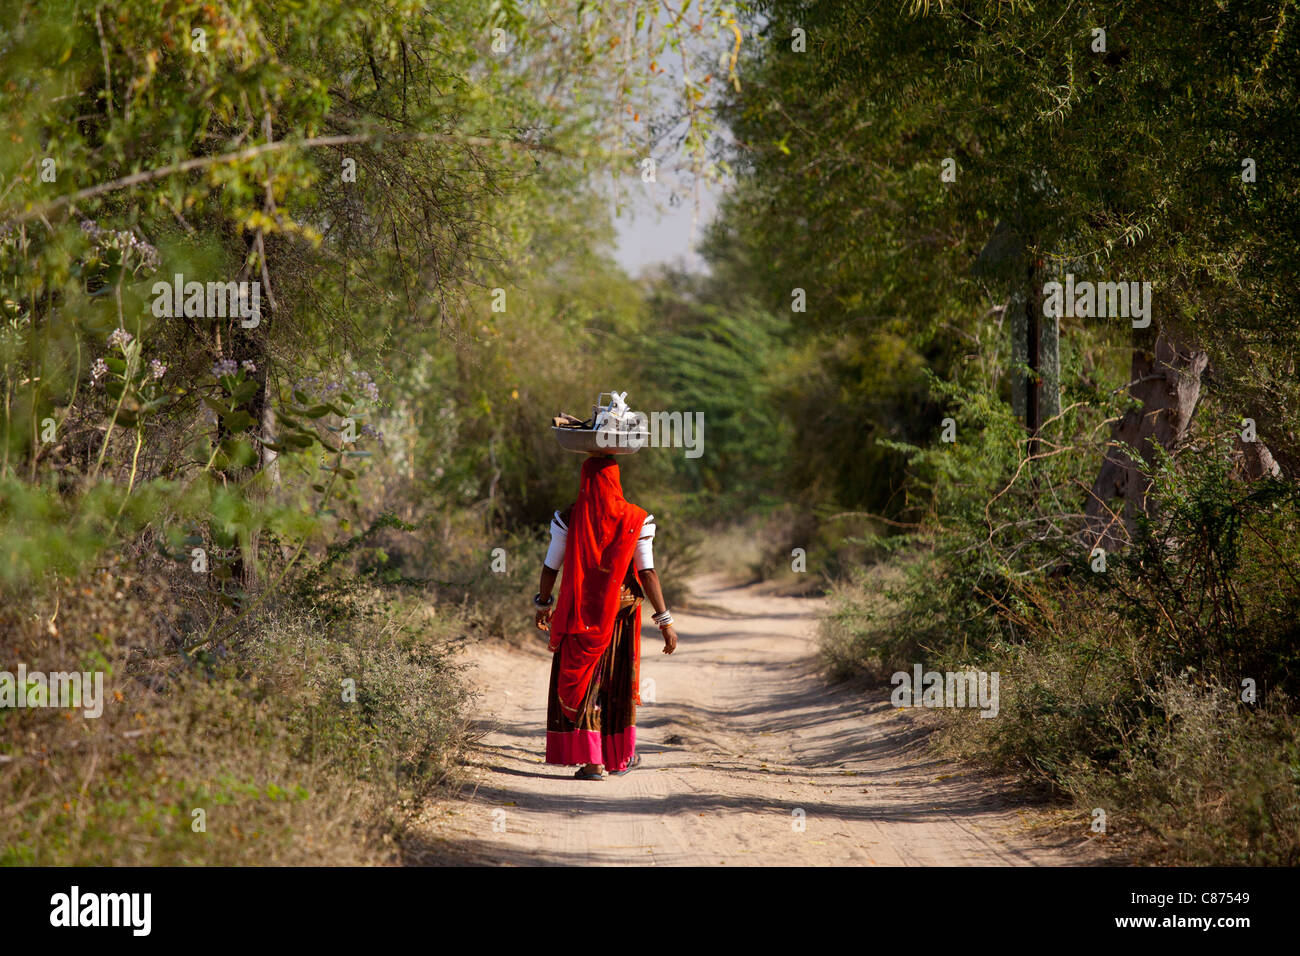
(584, 441)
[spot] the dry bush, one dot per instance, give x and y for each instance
(253, 730)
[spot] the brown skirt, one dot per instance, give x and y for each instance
(605, 731)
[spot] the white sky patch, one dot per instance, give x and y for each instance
(650, 236)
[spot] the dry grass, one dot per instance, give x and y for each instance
(252, 731)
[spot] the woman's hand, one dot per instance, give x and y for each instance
(670, 638)
(545, 589)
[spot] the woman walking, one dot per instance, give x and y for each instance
(602, 542)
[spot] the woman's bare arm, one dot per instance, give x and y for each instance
(650, 582)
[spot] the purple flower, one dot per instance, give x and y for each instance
(224, 367)
(98, 371)
(248, 366)
(366, 384)
(120, 338)
(157, 369)
(124, 241)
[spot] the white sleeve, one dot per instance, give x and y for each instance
(644, 557)
(559, 537)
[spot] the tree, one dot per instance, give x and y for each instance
(1115, 139)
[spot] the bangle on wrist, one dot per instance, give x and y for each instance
(539, 603)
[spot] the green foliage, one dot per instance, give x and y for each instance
(379, 171)
(1216, 579)
(704, 353)
(1127, 161)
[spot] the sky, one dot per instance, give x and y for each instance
(651, 232)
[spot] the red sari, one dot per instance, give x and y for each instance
(596, 627)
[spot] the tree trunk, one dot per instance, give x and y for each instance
(1257, 461)
(1166, 379)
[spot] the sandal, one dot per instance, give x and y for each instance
(636, 762)
(583, 774)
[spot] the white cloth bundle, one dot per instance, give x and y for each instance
(615, 416)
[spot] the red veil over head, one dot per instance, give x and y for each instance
(603, 531)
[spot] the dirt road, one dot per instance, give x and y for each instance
(749, 759)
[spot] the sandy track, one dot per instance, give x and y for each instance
(742, 733)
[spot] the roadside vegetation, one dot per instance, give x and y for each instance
(267, 519)
(1133, 573)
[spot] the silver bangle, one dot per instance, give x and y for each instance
(664, 618)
